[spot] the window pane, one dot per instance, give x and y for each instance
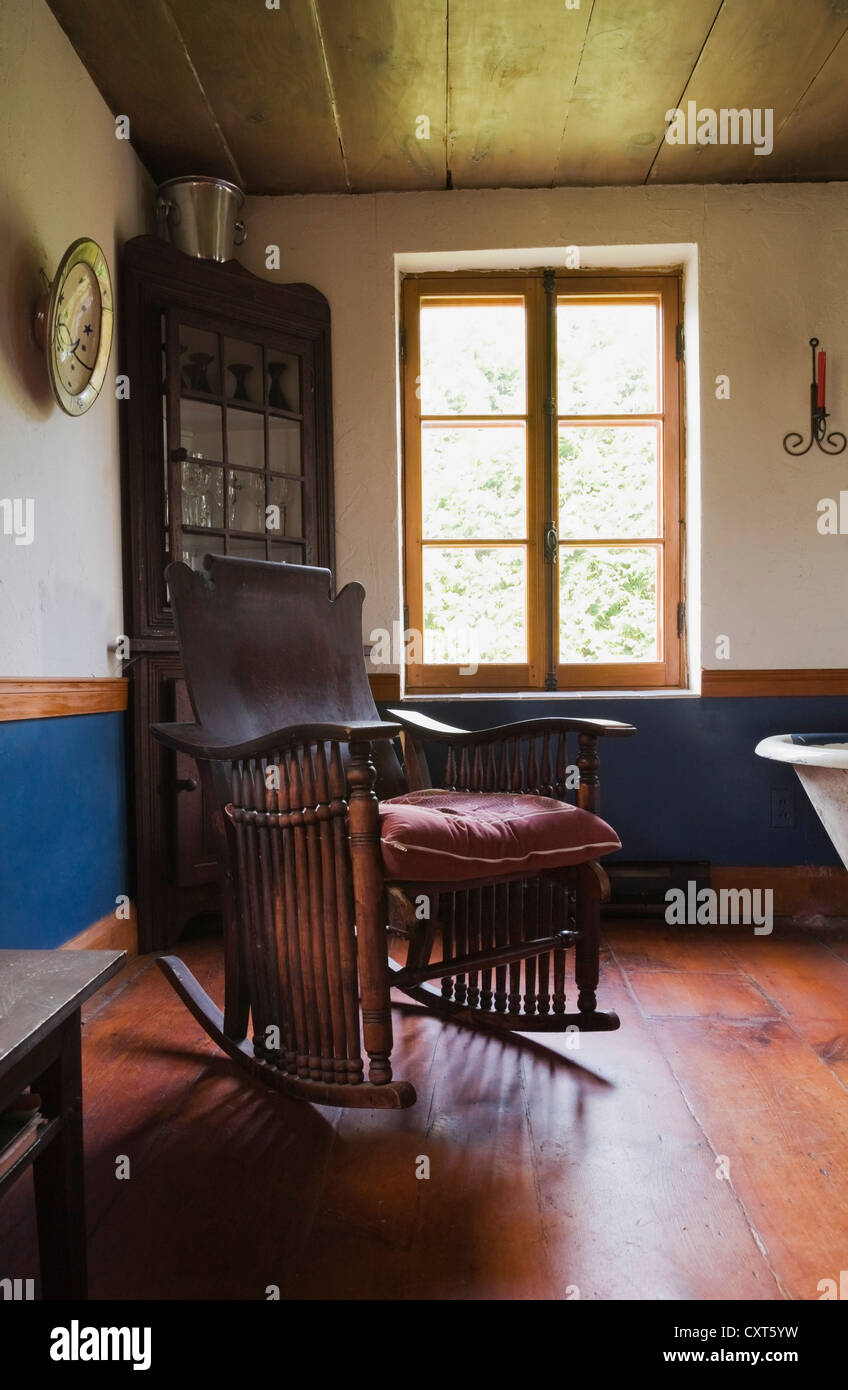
(473, 482)
(475, 607)
(608, 481)
(607, 358)
(472, 359)
(608, 604)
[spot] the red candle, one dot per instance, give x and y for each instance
(822, 371)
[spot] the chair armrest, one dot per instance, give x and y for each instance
(471, 754)
(199, 743)
(433, 731)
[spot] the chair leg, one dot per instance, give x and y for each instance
(423, 936)
(236, 1000)
(215, 784)
(592, 890)
(370, 913)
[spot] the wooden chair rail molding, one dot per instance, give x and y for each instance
(54, 697)
(783, 682)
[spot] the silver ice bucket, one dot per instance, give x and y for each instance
(201, 215)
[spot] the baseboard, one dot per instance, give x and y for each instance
(111, 933)
(748, 684)
(800, 891)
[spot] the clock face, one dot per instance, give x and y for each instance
(79, 327)
(77, 336)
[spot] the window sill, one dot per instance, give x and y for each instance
(674, 693)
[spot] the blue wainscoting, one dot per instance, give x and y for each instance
(63, 833)
(687, 785)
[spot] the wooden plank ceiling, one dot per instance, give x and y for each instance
(323, 96)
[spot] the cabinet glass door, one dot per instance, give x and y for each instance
(234, 417)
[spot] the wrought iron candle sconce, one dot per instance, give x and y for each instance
(833, 443)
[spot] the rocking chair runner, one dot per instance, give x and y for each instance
(294, 754)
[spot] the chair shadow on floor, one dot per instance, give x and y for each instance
(238, 1190)
(521, 1043)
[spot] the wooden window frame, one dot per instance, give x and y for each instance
(534, 675)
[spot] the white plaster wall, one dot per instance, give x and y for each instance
(63, 175)
(772, 272)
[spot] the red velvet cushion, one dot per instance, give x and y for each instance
(449, 837)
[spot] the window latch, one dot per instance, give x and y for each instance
(551, 543)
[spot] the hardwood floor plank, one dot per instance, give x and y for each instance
(654, 946)
(632, 1206)
(803, 977)
(808, 981)
(780, 1117)
(359, 1240)
(685, 994)
(834, 938)
(381, 1232)
(480, 1230)
(236, 1167)
(136, 1075)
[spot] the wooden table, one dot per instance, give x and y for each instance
(41, 994)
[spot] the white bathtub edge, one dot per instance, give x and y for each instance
(779, 748)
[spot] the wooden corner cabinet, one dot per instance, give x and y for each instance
(227, 449)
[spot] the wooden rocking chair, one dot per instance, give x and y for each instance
(322, 833)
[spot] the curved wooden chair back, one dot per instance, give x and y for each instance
(265, 645)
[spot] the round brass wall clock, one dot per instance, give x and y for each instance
(73, 324)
